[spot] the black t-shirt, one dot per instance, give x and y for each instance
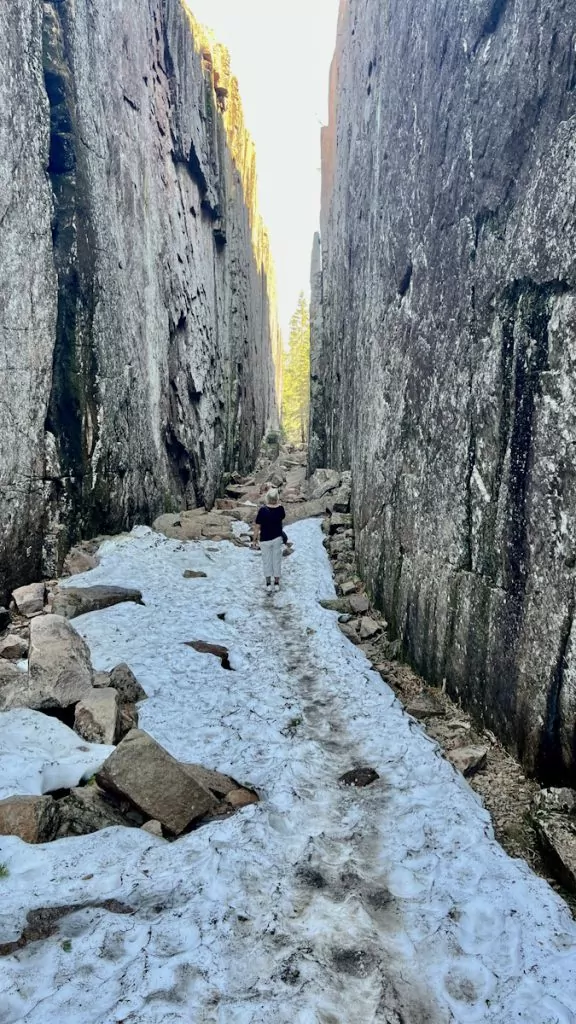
(269, 519)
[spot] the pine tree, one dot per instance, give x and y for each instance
(296, 383)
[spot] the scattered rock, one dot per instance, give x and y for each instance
(87, 809)
(154, 828)
(101, 679)
(339, 521)
(348, 588)
(5, 619)
(468, 759)
(339, 501)
(216, 649)
(359, 777)
(323, 481)
(425, 705)
(13, 648)
(73, 601)
(562, 800)
(241, 798)
(34, 819)
(236, 491)
(359, 604)
(194, 574)
(147, 775)
(350, 631)
(218, 784)
(124, 681)
(29, 600)
(78, 561)
(96, 717)
(59, 667)
(369, 628)
(557, 836)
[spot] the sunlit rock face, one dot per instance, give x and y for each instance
(137, 307)
(449, 345)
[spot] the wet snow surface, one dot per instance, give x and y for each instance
(323, 903)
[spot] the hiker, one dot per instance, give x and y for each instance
(269, 533)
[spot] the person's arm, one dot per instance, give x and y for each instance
(255, 535)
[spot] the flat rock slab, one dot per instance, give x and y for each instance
(557, 836)
(194, 574)
(13, 648)
(29, 600)
(203, 647)
(59, 666)
(96, 717)
(34, 819)
(147, 775)
(337, 604)
(468, 759)
(348, 588)
(72, 601)
(425, 705)
(359, 777)
(340, 521)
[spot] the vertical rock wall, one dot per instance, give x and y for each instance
(449, 345)
(137, 307)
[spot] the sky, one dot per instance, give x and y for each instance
(281, 52)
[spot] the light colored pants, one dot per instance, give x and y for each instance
(271, 557)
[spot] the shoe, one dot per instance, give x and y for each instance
(268, 588)
(276, 587)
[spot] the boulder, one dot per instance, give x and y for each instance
(78, 561)
(5, 619)
(339, 501)
(557, 836)
(562, 800)
(468, 760)
(59, 667)
(194, 574)
(72, 601)
(340, 521)
(29, 600)
(13, 686)
(236, 491)
(218, 784)
(177, 528)
(147, 775)
(369, 628)
(425, 705)
(87, 809)
(96, 717)
(359, 604)
(350, 631)
(347, 588)
(124, 681)
(336, 604)
(359, 777)
(35, 819)
(323, 481)
(13, 648)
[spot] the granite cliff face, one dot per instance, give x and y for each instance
(447, 340)
(137, 306)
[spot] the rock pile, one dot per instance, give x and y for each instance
(555, 824)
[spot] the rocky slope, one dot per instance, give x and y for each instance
(446, 339)
(137, 312)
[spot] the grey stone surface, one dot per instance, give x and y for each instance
(86, 809)
(96, 716)
(124, 681)
(146, 774)
(73, 601)
(448, 342)
(137, 346)
(557, 835)
(34, 819)
(59, 666)
(29, 600)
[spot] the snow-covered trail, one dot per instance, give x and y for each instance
(321, 904)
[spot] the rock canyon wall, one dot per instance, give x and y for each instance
(444, 330)
(137, 308)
